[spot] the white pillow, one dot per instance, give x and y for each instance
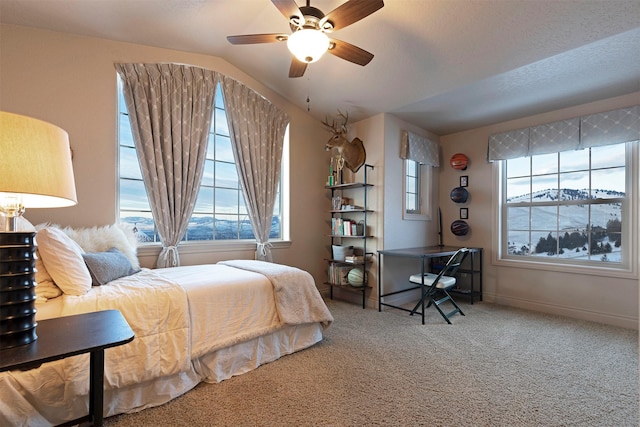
(63, 260)
(45, 288)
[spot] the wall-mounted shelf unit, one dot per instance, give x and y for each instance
(340, 272)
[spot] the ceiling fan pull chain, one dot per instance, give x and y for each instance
(308, 90)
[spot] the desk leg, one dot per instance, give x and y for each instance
(481, 274)
(473, 275)
(96, 374)
(422, 288)
(379, 284)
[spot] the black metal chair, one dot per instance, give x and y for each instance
(434, 286)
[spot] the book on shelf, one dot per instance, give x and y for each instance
(351, 208)
(354, 259)
(345, 227)
(338, 274)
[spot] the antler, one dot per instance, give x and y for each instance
(340, 129)
(343, 126)
(332, 126)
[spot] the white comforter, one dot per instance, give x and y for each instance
(226, 305)
(156, 308)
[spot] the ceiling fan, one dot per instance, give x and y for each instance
(310, 27)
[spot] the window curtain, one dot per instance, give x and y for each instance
(610, 127)
(170, 108)
(257, 130)
(419, 149)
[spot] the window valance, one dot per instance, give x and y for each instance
(419, 149)
(611, 127)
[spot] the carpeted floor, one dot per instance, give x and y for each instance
(496, 366)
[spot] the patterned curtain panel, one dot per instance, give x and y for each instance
(554, 137)
(619, 125)
(419, 149)
(257, 130)
(611, 127)
(508, 145)
(170, 108)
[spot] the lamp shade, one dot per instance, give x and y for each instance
(35, 163)
(308, 45)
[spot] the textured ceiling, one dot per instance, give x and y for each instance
(443, 65)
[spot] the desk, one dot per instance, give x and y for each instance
(68, 336)
(427, 253)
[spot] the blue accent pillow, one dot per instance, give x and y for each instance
(107, 266)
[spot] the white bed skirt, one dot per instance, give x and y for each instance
(18, 409)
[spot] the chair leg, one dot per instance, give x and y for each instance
(424, 297)
(454, 303)
(447, 297)
(436, 303)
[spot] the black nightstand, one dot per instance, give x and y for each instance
(68, 336)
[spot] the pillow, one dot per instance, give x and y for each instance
(107, 266)
(100, 239)
(63, 260)
(47, 290)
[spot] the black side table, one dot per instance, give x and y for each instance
(68, 336)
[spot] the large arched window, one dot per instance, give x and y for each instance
(220, 213)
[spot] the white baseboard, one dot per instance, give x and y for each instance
(573, 312)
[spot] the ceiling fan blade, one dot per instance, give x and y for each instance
(350, 12)
(350, 52)
(257, 38)
(297, 68)
(288, 8)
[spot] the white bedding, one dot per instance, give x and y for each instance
(226, 305)
(188, 329)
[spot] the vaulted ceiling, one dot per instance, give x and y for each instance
(443, 65)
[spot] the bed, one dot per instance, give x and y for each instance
(192, 324)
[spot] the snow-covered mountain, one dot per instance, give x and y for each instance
(588, 221)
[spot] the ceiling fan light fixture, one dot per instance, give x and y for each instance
(308, 45)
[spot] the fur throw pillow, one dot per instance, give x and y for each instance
(101, 239)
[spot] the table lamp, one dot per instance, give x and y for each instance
(35, 172)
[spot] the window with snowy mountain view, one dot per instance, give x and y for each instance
(572, 206)
(220, 212)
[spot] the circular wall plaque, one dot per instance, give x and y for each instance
(459, 161)
(459, 227)
(459, 195)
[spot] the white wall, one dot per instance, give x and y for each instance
(597, 298)
(400, 232)
(70, 81)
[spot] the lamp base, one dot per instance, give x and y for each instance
(17, 289)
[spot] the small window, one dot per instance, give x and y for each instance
(412, 187)
(417, 197)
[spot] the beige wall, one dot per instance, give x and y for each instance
(70, 81)
(598, 298)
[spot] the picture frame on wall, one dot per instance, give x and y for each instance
(464, 213)
(464, 181)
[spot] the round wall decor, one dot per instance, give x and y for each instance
(459, 161)
(459, 195)
(459, 227)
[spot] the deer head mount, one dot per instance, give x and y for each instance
(353, 151)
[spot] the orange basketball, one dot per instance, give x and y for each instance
(459, 161)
